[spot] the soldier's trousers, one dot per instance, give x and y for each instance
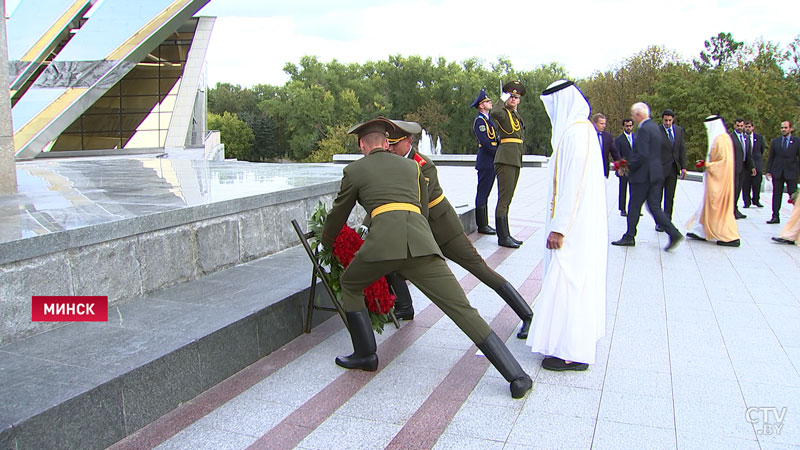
(485, 182)
(507, 177)
(430, 275)
(461, 251)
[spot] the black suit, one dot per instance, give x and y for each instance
(646, 178)
(743, 167)
(673, 158)
(784, 165)
(750, 182)
(608, 148)
(624, 148)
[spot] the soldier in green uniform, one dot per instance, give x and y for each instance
(449, 234)
(391, 190)
(508, 158)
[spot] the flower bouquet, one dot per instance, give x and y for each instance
(621, 167)
(377, 296)
(700, 164)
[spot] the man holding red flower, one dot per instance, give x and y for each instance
(391, 190)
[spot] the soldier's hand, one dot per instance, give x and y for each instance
(555, 240)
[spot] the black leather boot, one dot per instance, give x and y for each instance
(364, 348)
(497, 353)
(519, 305)
(482, 220)
(403, 306)
(510, 236)
(503, 238)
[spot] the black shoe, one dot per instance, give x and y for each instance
(623, 213)
(781, 240)
(733, 243)
(521, 308)
(501, 358)
(694, 236)
(659, 229)
(759, 205)
(746, 206)
(774, 220)
(487, 230)
(364, 348)
(482, 220)
(503, 237)
(737, 215)
(558, 364)
(674, 242)
(403, 305)
(625, 242)
(404, 314)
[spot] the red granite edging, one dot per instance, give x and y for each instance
(425, 427)
(179, 418)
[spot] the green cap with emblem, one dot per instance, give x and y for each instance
(379, 124)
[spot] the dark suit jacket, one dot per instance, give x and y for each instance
(740, 163)
(609, 150)
(645, 160)
(758, 152)
(623, 146)
(484, 130)
(673, 154)
(784, 163)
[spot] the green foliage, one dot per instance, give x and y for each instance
(305, 119)
(730, 78)
(235, 134)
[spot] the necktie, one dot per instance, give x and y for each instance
(785, 142)
(671, 137)
(744, 146)
(749, 144)
(630, 139)
(600, 139)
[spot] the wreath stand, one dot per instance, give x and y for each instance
(318, 272)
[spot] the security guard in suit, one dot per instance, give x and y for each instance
(508, 158)
(449, 235)
(484, 131)
(391, 190)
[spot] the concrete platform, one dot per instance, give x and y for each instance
(700, 343)
(694, 338)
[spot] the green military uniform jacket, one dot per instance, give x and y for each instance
(378, 179)
(509, 126)
(442, 217)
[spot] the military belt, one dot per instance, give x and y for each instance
(436, 201)
(513, 140)
(394, 207)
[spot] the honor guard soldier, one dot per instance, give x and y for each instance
(392, 191)
(449, 234)
(484, 131)
(508, 158)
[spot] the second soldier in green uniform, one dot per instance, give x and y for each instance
(391, 190)
(449, 234)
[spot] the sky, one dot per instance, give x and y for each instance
(252, 40)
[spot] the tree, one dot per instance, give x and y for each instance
(720, 53)
(235, 134)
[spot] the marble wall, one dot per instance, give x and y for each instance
(134, 265)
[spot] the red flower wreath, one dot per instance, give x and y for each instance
(377, 296)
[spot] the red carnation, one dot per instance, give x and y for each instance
(700, 164)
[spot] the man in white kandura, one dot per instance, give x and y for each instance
(569, 315)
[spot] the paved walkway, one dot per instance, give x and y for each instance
(701, 344)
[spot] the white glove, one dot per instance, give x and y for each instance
(505, 96)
